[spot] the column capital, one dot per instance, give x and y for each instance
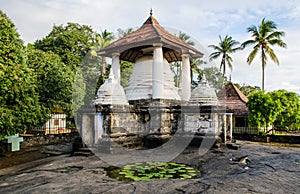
(185, 55)
(157, 44)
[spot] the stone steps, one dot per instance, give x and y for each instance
(83, 152)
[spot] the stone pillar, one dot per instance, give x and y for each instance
(98, 123)
(230, 123)
(157, 72)
(116, 66)
(87, 129)
(225, 128)
(185, 78)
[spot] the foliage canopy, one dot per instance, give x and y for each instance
(19, 106)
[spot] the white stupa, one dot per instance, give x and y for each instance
(141, 80)
(204, 94)
(111, 92)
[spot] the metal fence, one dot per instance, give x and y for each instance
(55, 125)
(246, 130)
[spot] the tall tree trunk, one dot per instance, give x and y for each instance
(223, 63)
(263, 69)
(263, 78)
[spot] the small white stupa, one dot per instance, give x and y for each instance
(204, 94)
(111, 92)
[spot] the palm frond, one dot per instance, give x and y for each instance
(215, 48)
(253, 30)
(275, 34)
(247, 43)
(277, 42)
(186, 38)
(252, 55)
(214, 55)
(272, 55)
(229, 61)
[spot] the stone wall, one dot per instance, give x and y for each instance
(147, 121)
(141, 118)
(30, 141)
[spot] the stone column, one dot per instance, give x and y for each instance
(98, 123)
(116, 66)
(157, 72)
(230, 123)
(224, 127)
(86, 129)
(185, 78)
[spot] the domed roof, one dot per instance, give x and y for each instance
(203, 94)
(149, 33)
(111, 92)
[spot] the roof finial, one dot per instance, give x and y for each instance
(151, 12)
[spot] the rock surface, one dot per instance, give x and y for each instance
(271, 170)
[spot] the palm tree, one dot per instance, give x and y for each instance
(195, 69)
(122, 33)
(176, 67)
(186, 38)
(224, 48)
(104, 39)
(264, 36)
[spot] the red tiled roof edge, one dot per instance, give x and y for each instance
(240, 93)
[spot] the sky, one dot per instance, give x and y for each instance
(203, 20)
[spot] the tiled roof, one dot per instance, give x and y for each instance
(130, 47)
(234, 100)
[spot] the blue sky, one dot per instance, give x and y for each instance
(203, 20)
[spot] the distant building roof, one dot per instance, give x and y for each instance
(234, 100)
(148, 34)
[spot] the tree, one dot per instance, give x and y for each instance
(214, 76)
(79, 92)
(103, 40)
(194, 63)
(289, 117)
(126, 66)
(225, 47)
(71, 42)
(247, 89)
(126, 71)
(186, 38)
(263, 109)
(264, 36)
(196, 71)
(19, 106)
(176, 69)
(54, 80)
(122, 33)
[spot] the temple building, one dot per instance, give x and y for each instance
(152, 48)
(151, 107)
(235, 103)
